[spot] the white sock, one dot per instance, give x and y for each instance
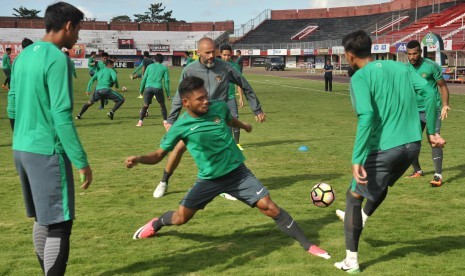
(438, 174)
(351, 257)
(364, 217)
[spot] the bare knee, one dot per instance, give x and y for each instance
(268, 207)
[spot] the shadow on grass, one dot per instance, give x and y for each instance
(279, 182)
(430, 247)
(274, 142)
(233, 250)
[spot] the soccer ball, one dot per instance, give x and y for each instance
(124, 88)
(322, 195)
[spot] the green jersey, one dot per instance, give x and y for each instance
(6, 61)
(100, 65)
(91, 64)
(154, 75)
(189, 60)
(431, 72)
(208, 140)
(232, 86)
(384, 98)
(105, 78)
(43, 103)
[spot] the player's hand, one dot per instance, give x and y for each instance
(260, 117)
(130, 162)
(241, 103)
(85, 175)
(445, 109)
(436, 141)
(359, 174)
(247, 127)
(167, 126)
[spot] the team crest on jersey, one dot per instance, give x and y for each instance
(423, 75)
(217, 120)
(218, 78)
(77, 50)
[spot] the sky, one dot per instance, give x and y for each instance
(240, 11)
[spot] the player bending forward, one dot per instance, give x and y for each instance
(221, 168)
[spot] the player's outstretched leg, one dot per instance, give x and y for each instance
(288, 226)
(151, 228)
(83, 110)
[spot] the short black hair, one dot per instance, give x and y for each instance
(109, 62)
(239, 51)
(104, 54)
(189, 84)
(56, 15)
(159, 58)
(412, 44)
(93, 52)
(357, 43)
(8, 49)
(26, 42)
(225, 47)
(146, 54)
(66, 53)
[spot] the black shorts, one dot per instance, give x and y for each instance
(240, 183)
(384, 168)
(106, 94)
(7, 72)
(150, 92)
(423, 122)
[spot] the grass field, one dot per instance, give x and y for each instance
(417, 231)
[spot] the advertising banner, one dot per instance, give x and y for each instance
(401, 47)
(380, 48)
(309, 52)
(124, 64)
(296, 52)
(125, 43)
(121, 52)
(247, 52)
(159, 48)
(277, 52)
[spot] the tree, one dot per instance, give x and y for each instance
(121, 18)
(23, 12)
(155, 14)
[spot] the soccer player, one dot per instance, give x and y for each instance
(240, 62)
(92, 63)
(151, 86)
(45, 140)
(221, 167)
(142, 67)
(388, 134)
(105, 78)
(328, 68)
(6, 66)
(190, 57)
(432, 72)
(217, 74)
(226, 55)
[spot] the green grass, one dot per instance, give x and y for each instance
(417, 231)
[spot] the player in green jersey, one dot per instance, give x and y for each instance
(151, 86)
(431, 72)
(6, 66)
(45, 140)
(105, 78)
(92, 63)
(204, 130)
(388, 137)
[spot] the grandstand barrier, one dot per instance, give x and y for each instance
(224, 26)
(150, 26)
(312, 13)
(202, 26)
(179, 26)
(94, 25)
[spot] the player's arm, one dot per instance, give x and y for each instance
(166, 78)
(114, 77)
(237, 78)
(361, 101)
(151, 158)
(138, 68)
(444, 96)
(239, 124)
(142, 84)
(61, 108)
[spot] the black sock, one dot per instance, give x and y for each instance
(83, 109)
(142, 113)
(437, 154)
(102, 103)
(353, 224)
(117, 105)
(163, 220)
(56, 251)
(287, 225)
(166, 176)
